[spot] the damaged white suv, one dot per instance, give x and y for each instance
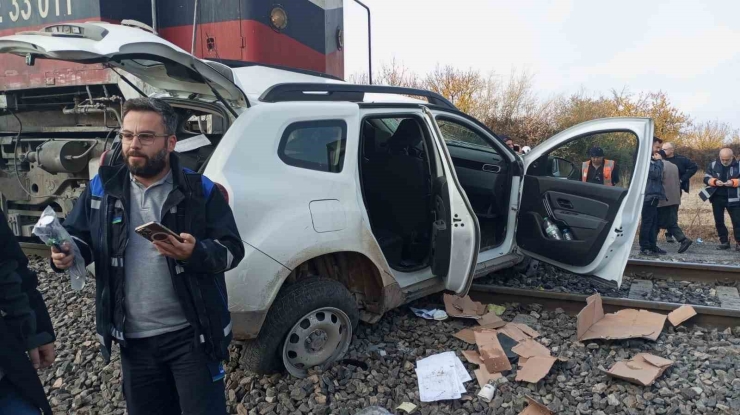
(353, 200)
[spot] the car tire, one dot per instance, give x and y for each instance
(294, 303)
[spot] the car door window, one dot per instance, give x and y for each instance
(315, 145)
(590, 158)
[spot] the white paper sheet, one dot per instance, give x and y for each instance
(438, 383)
(448, 359)
(192, 143)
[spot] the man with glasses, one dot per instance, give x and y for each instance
(163, 302)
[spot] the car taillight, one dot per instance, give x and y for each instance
(223, 191)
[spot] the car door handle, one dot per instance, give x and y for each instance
(491, 168)
(565, 204)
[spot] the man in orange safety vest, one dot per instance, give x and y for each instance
(599, 170)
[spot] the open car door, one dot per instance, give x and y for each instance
(603, 218)
(456, 234)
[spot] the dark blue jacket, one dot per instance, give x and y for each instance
(654, 189)
(99, 224)
(716, 171)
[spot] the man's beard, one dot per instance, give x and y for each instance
(152, 166)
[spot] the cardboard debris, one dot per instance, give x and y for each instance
(493, 355)
(407, 407)
(484, 376)
(624, 324)
(463, 307)
(642, 369)
(527, 330)
(472, 357)
(681, 314)
(535, 369)
(491, 321)
(514, 332)
(531, 348)
(535, 408)
(466, 335)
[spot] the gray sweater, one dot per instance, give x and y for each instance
(671, 184)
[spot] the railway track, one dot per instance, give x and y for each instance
(572, 304)
(683, 271)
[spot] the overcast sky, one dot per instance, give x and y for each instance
(689, 49)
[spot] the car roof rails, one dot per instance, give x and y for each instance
(344, 92)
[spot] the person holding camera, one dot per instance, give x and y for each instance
(722, 180)
(162, 300)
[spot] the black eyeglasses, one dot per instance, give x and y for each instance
(144, 138)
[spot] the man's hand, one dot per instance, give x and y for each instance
(656, 156)
(175, 249)
(63, 259)
(719, 183)
(42, 356)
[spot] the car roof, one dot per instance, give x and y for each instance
(254, 80)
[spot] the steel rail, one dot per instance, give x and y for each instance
(573, 303)
(684, 271)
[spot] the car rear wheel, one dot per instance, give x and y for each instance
(309, 324)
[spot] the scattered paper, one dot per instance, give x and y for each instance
(493, 355)
(433, 314)
(535, 369)
(642, 369)
(438, 383)
(463, 307)
(522, 361)
(624, 324)
(472, 357)
(192, 143)
(407, 407)
(531, 348)
(445, 359)
(681, 314)
(498, 309)
(491, 321)
(535, 408)
(466, 335)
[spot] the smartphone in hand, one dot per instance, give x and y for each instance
(155, 231)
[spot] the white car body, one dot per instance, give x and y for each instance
(289, 216)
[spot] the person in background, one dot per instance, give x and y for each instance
(722, 178)
(654, 193)
(599, 170)
(686, 170)
(25, 327)
(668, 209)
(509, 142)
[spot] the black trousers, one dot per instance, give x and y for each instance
(719, 205)
(668, 220)
(168, 374)
(649, 225)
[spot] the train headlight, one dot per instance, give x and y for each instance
(278, 18)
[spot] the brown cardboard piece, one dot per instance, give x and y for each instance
(527, 330)
(535, 369)
(483, 376)
(466, 335)
(514, 332)
(535, 408)
(493, 355)
(463, 307)
(681, 314)
(624, 324)
(530, 348)
(491, 321)
(472, 357)
(522, 361)
(642, 369)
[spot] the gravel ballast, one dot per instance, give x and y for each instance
(702, 380)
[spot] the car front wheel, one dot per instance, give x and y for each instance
(309, 324)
